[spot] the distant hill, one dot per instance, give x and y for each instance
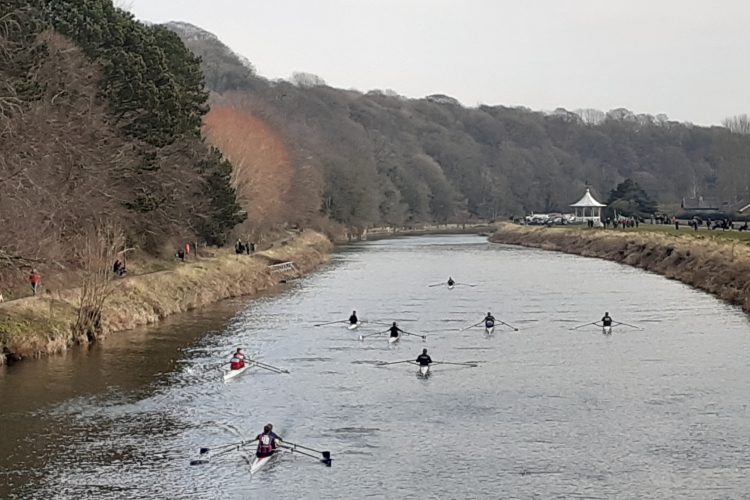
(381, 158)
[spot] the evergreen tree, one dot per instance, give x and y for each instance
(629, 199)
(222, 212)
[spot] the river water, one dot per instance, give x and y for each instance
(548, 413)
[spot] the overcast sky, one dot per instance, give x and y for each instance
(685, 58)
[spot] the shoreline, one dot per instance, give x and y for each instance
(382, 233)
(34, 327)
(721, 268)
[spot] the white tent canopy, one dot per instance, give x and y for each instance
(587, 208)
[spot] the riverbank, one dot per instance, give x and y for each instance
(379, 233)
(43, 325)
(718, 266)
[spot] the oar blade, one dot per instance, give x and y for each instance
(198, 461)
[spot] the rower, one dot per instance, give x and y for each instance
(450, 281)
(489, 318)
(395, 330)
(238, 360)
(267, 442)
(424, 359)
(606, 320)
(353, 318)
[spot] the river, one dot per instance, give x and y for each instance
(548, 413)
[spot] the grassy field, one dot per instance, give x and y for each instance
(684, 231)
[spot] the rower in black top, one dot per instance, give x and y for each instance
(395, 330)
(424, 359)
(353, 318)
(607, 320)
(450, 281)
(489, 318)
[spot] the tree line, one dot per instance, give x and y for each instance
(387, 159)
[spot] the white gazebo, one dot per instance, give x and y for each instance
(588, 209)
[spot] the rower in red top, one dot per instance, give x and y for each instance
(238, 360)
(267, 442)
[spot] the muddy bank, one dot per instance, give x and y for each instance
(721, 268)
(38, 326)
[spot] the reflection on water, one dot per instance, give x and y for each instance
(549, 413)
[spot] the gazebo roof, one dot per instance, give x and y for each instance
(587, 201)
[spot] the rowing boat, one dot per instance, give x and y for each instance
(230, 374)
(450, 287)
(424, 370)
(607, 330)
(489, 327)
(393, 340)
(353, 326)
(259, 463)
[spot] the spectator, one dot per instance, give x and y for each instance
(181, 254)
(36, 281)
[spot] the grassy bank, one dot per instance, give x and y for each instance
(377, 233)
(37, 326)
(719, 265)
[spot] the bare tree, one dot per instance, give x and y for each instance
(739, 124)
(97, 252)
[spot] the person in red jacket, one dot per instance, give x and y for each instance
(36, 280)
(238, 360)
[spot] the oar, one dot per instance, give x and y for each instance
(363, 337)
(506, 324)
(332, 322)
(626, 324)
(424, 337)
(465, 284)
(223, 449)
(383, 363)
(436, 284)
(460, 364)
(269, 367)
(587, 324)
(293, 448)
(471, 326)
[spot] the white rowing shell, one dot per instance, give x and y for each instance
(259, 463)
(607, 330)
(230, 374)
(353, 326)
(393, 340)
(489, 330)
(424, 370)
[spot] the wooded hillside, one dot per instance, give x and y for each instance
(100, 120)
(387, 159)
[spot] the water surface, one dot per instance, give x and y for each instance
(549, 413)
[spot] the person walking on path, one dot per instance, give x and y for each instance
(36, 280)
